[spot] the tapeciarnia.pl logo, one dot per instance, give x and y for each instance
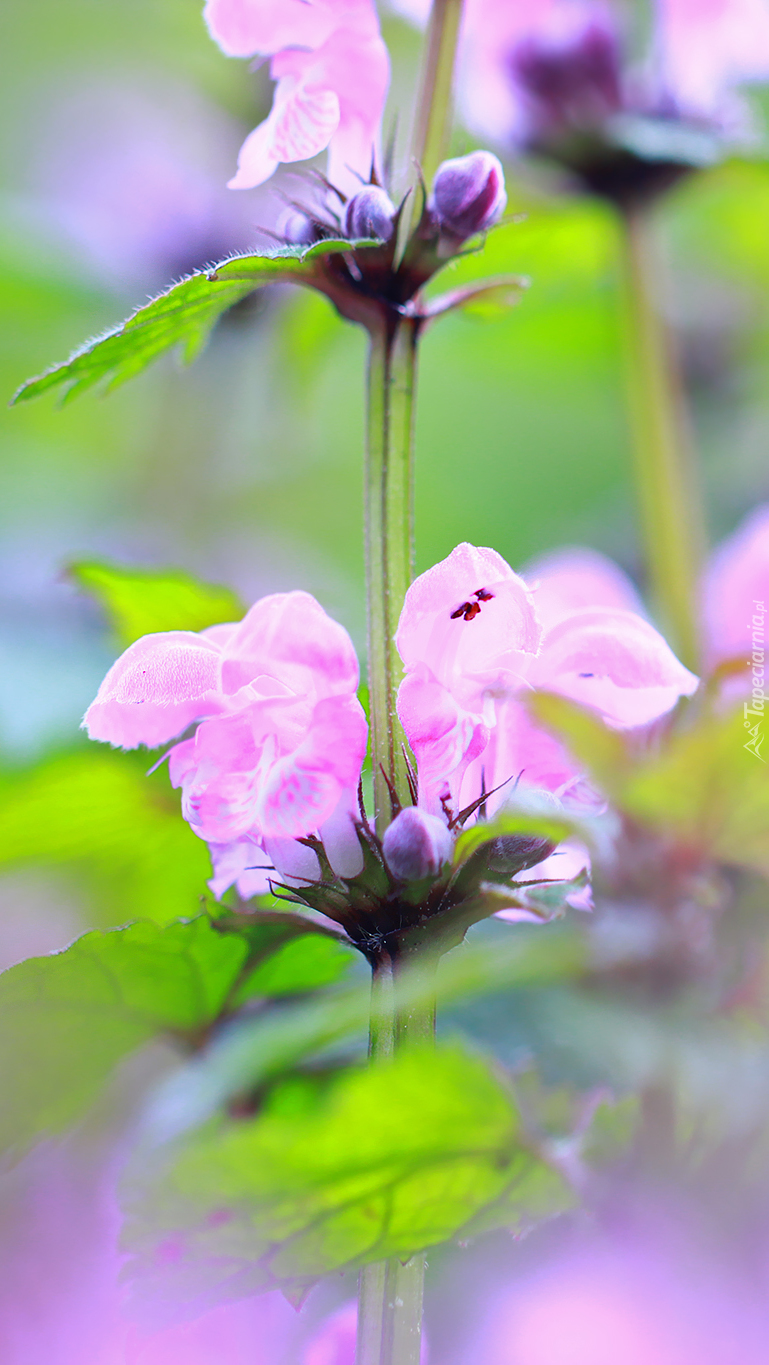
(755, 707)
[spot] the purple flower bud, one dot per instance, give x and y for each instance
(297, 228)
(468, 194)
(370, 213)
(416, 845)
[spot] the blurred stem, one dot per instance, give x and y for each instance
(390, 1294)
(669, 496)
(389, 542)
(432, 122)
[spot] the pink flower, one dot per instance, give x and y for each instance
(707, 47)
(471, 645)
(332, 72)
(280, 737)
(334, 1342)
(736, 588)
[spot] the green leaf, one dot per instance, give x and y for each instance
(377, 1162)
(96, 814)
(141, 601)
(530, 824)
(182, 316)
(488, 299)
(68, 1019)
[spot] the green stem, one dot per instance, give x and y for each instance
(391, 1294)
(389, 542)
(670, 502)
(432, 123)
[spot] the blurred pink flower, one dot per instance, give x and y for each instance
(334, 1343)
(526, 66)
(471, 644)
(280, 740)
(735, 584)
(332, 72)
(706, 47)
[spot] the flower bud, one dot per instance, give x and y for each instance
(416, 845)
(297, 228)
(468, 194)
(370, 213)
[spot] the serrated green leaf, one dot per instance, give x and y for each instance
(379, 1162)
(182, 316)
(141, 601)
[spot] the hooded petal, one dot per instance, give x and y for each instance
(247, 28)
(159, 686)
(467, 619)
(615, 662)
(288, 636)
(572, 580)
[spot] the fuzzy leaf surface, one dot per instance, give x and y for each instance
(182, 317)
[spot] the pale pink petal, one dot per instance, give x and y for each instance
(292, 861)
(705, 47)
(570, 580)
(614, 662)
(301, 790)
(245, 28)
(736, 589)
(339, 838)
(240, 864)
(159, 686)
(256, 159)
(290, 637)
(466, 618)
(220, 771)
(443, 737)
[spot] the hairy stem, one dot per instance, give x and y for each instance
(390, 1293)
(432, 123)
(389, 543)
(670, 501)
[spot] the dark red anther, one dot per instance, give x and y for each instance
(467, 610)
(483, 595)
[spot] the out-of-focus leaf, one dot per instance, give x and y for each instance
(379, 1162)
(67, 1019)
(97, 812)
(488, 299)
(704, 786)
(254, 1050)
(182, 317)
(140, 601)
(603, 751)
(709, 790)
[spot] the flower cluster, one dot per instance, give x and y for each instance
(270, 777)
(554, 78)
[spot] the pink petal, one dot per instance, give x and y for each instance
(571, 580)
(245, 28)
(290, 637)
(301, 791)
(736, 589)
(239, 864)
(159, 686)
(256, 159)
(615, 662)
(708, 46)
(466, 617)
(443, 737)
